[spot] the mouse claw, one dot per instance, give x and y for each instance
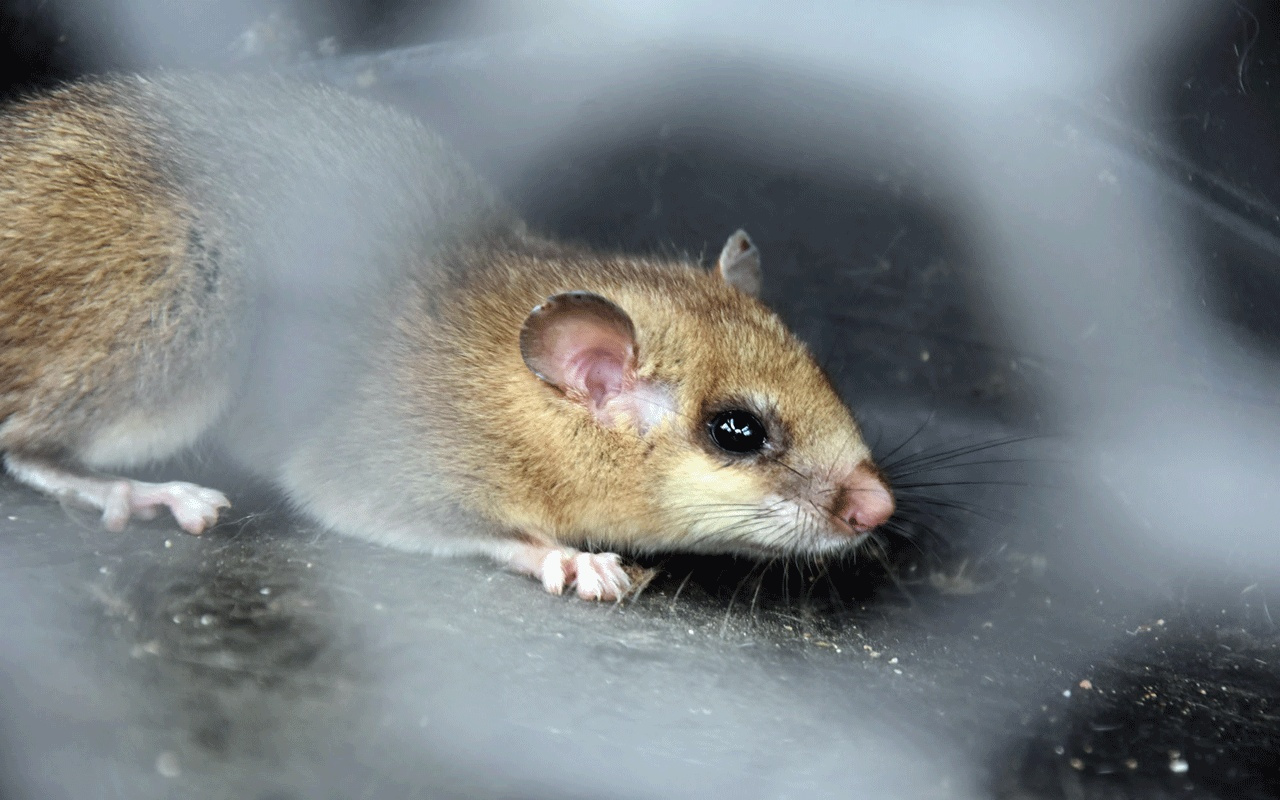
(599, 576)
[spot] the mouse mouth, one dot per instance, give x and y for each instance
(778, 528)
(817, 531)
(844, 541)
(819, 544)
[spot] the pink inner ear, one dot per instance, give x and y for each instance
(582, 344)
(597, 373)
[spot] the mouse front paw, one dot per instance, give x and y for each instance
(593, 576)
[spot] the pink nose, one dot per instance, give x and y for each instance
(864, 501)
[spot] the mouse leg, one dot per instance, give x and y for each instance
(194, 507)
(595, 576)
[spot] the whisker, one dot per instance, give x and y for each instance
(679, 589)
(984, 463)
(760, 585)
(928, 457)
(906, 535)
(937, 484)
(956, 504)
(889, 455)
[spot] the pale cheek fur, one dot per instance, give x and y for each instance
(707, 498)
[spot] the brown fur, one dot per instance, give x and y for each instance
(141, 222)
(96, 287)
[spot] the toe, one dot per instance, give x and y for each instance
(213, 498)
(554, 572)
(194, 516)
(589, 583)
(116, 506)
(613, 575)
(601, 577)
(192, 525)
(195, 508)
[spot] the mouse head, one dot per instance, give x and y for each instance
(735, 438)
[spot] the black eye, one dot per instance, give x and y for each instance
(737, 431)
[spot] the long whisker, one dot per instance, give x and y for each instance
(886, 458)
(985, 463)
(928, 457)
(936, 484)
(679, 589)
(906, 501)
(760, 585)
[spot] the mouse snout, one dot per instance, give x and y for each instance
(863, 500)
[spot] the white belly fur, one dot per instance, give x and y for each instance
(141, 437)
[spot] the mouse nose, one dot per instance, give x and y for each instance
(864, 501)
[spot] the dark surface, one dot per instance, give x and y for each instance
(991, 646)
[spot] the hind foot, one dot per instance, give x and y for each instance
(194, 507)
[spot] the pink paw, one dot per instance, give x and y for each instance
(194, 507)
(596, 576)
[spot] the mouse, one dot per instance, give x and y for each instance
(317, 285)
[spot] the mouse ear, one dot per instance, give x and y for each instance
(740, 264)
(582, 344)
